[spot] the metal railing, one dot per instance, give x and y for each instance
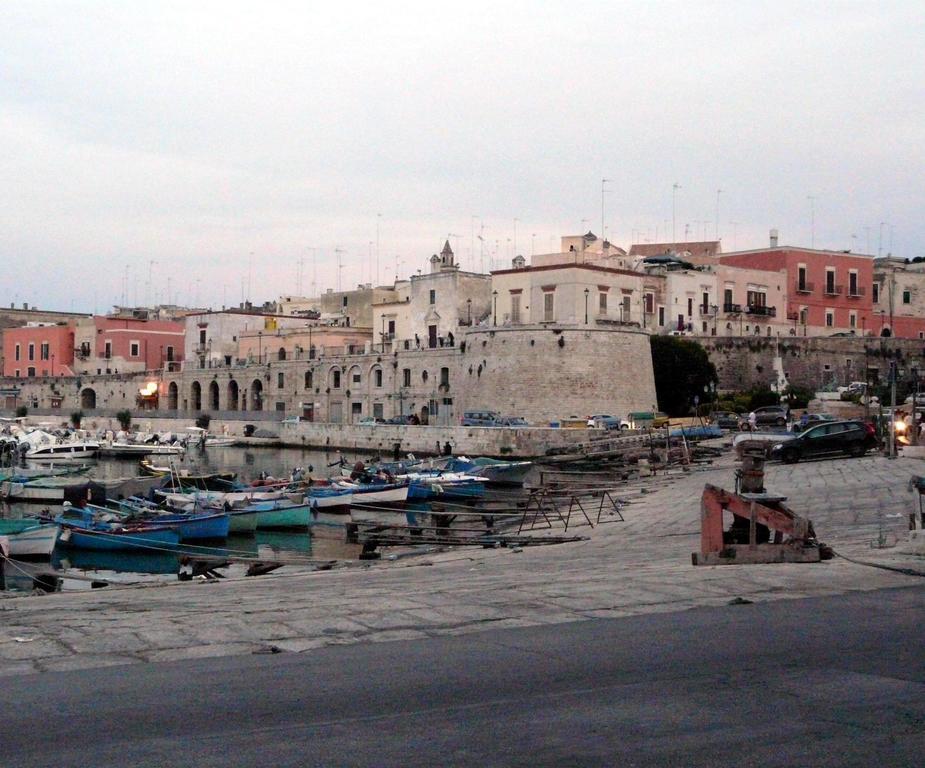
(803, 286)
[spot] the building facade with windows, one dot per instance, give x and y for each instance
(827, 291)
(104, 344)
(751, 302)
(431, 310)
(575, 294)
(38, 349)
(899, 298)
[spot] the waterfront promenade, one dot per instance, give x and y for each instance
(635, 567)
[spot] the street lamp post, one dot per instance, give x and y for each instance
(259, 347)
(383, 334)
(494, 295)
(714, 308)
(915, 396)
(469, 312)
(587, 291)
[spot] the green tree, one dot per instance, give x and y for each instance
(682, 371)
(125, 419)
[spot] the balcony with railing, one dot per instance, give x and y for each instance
(856, 292)
(762, 310)
(732, 309)
(833, 290)
(803, 286)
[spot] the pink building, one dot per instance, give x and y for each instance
(826, 291)
(125, 345)
(38, 350)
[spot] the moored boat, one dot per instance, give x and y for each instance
(29, 537)
(81, 528)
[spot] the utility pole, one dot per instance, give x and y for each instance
(892, 409)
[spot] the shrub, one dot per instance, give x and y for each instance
(21, 411)
(125, 419)
(76, 418)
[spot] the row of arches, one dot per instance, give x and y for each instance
(211, 397)
(234, 396)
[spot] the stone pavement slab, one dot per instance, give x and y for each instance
(642, 565)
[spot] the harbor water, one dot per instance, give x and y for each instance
(320, 543)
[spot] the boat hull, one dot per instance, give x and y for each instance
(296, 516)
(111, 541)
(28, 539)
(242, 522)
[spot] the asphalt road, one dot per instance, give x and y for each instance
(836, 681)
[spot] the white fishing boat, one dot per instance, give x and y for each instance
(127, 450)
(29, 538)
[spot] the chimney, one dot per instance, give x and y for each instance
(774, 235)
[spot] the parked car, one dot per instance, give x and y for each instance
(602, 421)
(648, 420)
(770, 414)
(407, 418)
(370, 421)
(852, 437)
(809, 419)
(726, 419)
(513, 421)
(481, 419)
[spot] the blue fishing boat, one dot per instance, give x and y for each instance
(192, 526)
(83, 529)
(492, 471)
(437, 485)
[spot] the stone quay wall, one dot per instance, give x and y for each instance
(541, 373)
(814, 362)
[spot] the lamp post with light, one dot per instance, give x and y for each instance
(587, 292)
(494, 295)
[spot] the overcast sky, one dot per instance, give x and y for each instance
(221, 140)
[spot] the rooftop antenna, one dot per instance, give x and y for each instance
(314, 272)
(378, 219)
(515, 235)
(674, 210)
(338, 252)
(603, 182)
(718, 193)
(299, 273)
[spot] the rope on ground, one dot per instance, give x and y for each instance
(881, 566)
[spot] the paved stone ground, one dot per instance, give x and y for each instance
(638, 566)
